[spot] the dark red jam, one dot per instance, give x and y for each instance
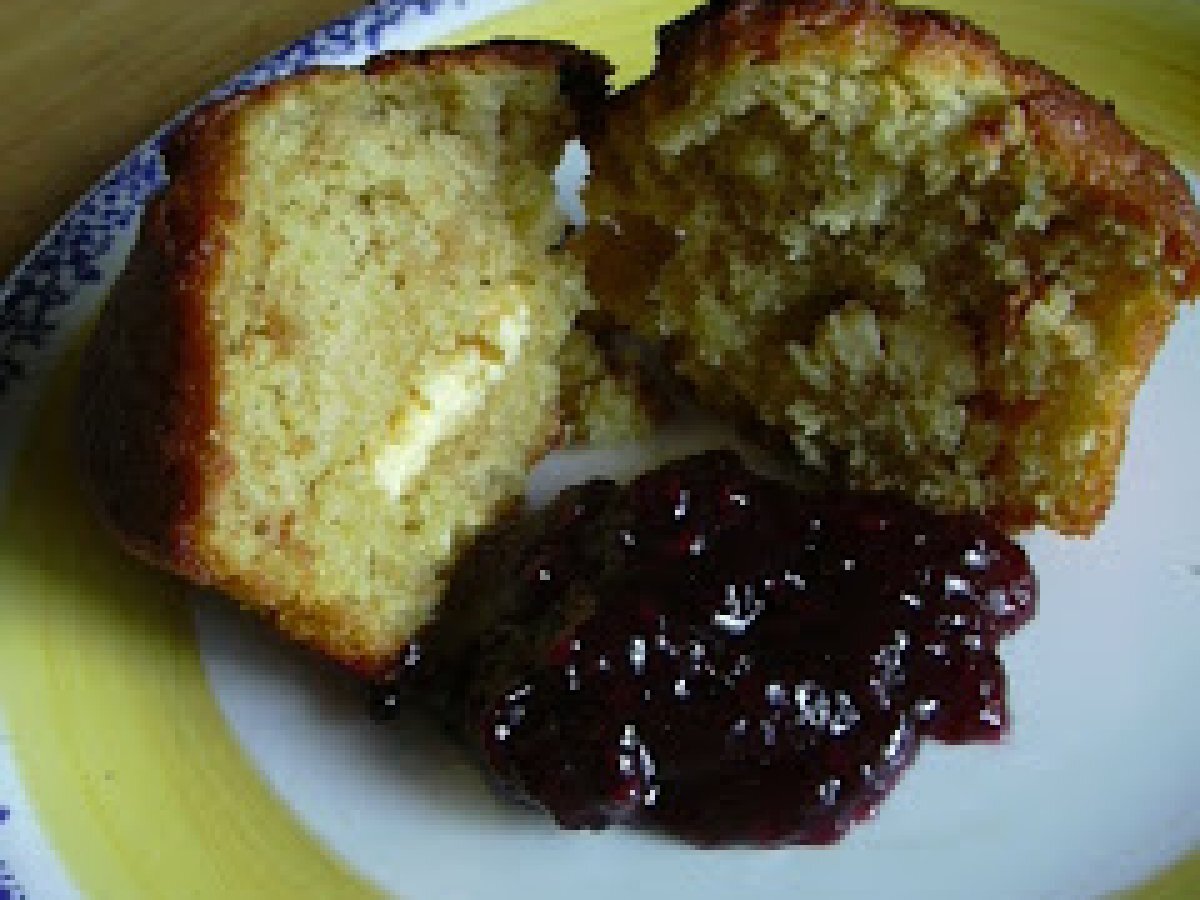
(723, 657)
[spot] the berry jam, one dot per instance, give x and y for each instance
(720, 656)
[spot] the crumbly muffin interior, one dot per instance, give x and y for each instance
(872, 253)
(391, 311)
(603, 400)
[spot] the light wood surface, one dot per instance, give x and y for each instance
(86, 80)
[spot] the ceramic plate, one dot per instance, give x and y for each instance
(155, 745)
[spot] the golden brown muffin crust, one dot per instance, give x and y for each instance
(146, 403)
(583, 75)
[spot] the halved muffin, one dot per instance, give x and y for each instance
(335, 352)
(935, 267)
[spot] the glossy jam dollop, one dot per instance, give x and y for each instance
(723, 657)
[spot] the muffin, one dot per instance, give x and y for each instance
(335, 351)
(934, 267)
(606, 396)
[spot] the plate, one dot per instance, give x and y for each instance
(154, 744)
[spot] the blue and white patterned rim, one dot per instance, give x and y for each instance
(10, 888)
(33, 297)
(79, 252)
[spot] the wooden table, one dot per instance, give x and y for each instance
(86, 80)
